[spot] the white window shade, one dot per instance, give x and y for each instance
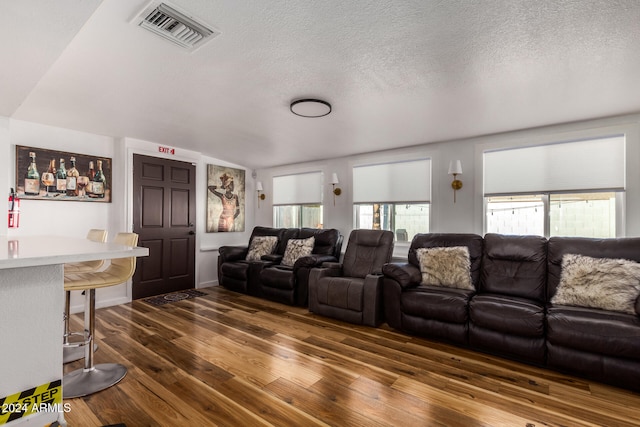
(299, 189)
(408, 181)
(597, 164)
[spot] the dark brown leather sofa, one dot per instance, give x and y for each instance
(435, 311)
(599, 344)
(510, 312)
(506, 315)
(266, 278)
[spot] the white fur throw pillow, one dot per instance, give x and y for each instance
(261, 245)
(605, 283)
(297, 248)
(448, 266)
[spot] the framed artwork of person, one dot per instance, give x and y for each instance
(225, 199)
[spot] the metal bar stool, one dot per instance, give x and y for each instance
(93, 378)
(73, 351)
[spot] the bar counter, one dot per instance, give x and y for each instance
(31, 322)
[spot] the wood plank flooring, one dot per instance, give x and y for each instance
(232, 360)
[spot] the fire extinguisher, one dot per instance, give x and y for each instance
(14, 210)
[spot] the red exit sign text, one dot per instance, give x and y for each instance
(167, 150)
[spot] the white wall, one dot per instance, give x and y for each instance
(66, 218)
(74, 219)
(62, 218)
(466, 215)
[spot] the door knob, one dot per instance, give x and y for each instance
(192, 232)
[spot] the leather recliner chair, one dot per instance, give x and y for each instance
(352, 290)
(290, 284)
(507, 314)
(599, 344)
(432, 311)
(238, 274)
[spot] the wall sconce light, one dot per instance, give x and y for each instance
(261, 195)
(455, 169)
(336, 190)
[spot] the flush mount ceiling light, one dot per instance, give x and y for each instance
(310, 108)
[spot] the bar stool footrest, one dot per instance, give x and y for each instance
(86, 339)
(73, 353)
(83, 382)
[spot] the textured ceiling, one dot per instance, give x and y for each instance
(397, 73)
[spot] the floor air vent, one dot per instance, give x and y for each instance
(176, 27)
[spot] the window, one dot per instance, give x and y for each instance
(404, 219)
(585, 215)
(565, 189)
(296, 216)
(516, 215)
(386, 197)
(570, 214)
(297, 200)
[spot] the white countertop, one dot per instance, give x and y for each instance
(27, 251)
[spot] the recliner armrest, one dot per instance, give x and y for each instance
(313, 260)
(328, 269)
(373, 277)
(372, 309)
(233, 253)
(405, 274)
(272, 258)
(332, 265)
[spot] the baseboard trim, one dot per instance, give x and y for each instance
(207, 284)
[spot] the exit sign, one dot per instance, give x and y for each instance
(167, 150)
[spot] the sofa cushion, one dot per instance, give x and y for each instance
(435, 302)
(594, 331)
(621, 248)
(297, 248)
(508, 315)
(515, 266)
(261, 245)
(342, 292)
(447, 266)
(473, 242)
(604, 283)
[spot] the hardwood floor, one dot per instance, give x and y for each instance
(232, 360)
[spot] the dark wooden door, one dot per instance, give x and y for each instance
(164, 218)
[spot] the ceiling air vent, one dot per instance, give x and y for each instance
(176, 27)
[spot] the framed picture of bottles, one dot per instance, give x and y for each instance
(44, 174)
